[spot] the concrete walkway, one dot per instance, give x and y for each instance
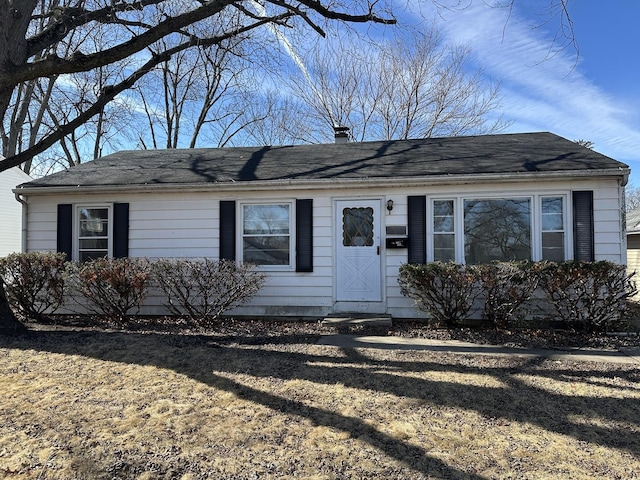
(624, 356)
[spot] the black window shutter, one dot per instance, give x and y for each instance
(304, 235)
(64, 240)
(417, 229)
(227, 230)
(120, 230)
(583, 249)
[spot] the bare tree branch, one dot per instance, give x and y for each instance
(79, 62)
(142, 22)
(66, 19)
(110, 92)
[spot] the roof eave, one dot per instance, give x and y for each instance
(326, 183)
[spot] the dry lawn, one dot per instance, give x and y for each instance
(102, 405)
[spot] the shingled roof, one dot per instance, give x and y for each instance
(431, 157)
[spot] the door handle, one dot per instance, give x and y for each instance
(378, 250)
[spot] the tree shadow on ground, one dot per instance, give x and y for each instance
(209, 360)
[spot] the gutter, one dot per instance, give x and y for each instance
(333, 183)
(25, 228)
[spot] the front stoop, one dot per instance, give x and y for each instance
(358, 319)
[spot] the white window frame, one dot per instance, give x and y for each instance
(292, 237)
(76, 227)
(536, 221)
(431, 233)
(565, 224)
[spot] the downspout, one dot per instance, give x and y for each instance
(25, 230)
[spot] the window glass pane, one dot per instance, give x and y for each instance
(444, 247)
(552, 215)
(357, 227)
(273, 250)
(443, 216)
(497, 229)
(553, 246)
(94, 222)
(94, 244)
(266, 219)
(266, 239)
(93, 233)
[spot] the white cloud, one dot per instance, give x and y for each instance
(540, 92)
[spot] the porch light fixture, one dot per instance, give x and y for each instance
(389, 205)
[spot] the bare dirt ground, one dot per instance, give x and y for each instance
(261, 400)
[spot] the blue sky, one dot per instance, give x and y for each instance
(591, 94)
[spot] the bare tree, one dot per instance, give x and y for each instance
(132, 26)
(414, 88)
(36, 35)
(41, 105)
(585, 143)
(632, 197)
(284, 121)
(198, 96)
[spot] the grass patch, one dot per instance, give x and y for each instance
(102, 405)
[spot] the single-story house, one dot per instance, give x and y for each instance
(11, 211)
(331, 224)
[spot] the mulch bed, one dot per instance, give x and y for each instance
(256, 331)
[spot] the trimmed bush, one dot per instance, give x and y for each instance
(587, 296)
(34, 283)
(446, 291)
(112, 288)
(507, 286)
(584, 296)
(204, 289)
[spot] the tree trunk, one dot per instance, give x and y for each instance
(9, 324)
(14, 22)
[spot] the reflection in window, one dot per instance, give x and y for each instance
(357, 227)
(552, 229)
(266, 234)
(443, 231)
(497, 229)
(93, 233)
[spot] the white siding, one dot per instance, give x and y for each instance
(10, 211)
(172, 226)
(608, 223)
(185, 224)
(41, 225)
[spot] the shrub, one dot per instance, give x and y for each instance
(446, 291)
(589, 296)
(34, 283)
(111, 287)
(506, 287)
(204, 289)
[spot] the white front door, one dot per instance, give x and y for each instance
(358, 264)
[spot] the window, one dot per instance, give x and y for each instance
(552, 212)
(480, 230)
(497, 229)
(357, 227)
(444, 246)
(266, 234)
(93, 232)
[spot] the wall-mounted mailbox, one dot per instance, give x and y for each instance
(397, 242)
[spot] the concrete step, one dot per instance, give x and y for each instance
(358, 319)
